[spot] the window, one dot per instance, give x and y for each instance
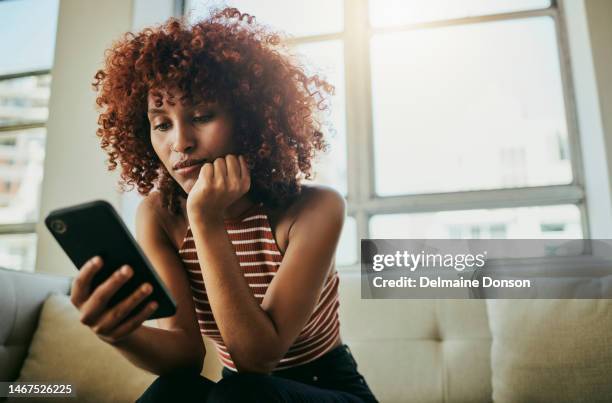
(452, 119)
(27, 30)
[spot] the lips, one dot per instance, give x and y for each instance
(188, 170)
(188, 163)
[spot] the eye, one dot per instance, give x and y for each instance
(204, 118)
(162, 127)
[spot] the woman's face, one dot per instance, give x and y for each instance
(189, 134)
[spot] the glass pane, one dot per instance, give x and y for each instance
(27, 29)
(18, 251)
(468, 108)
(326, 59)
(24, 100)
(547, 222)
(294, 17)
(397, 12)
(346, 253)
(21, 170)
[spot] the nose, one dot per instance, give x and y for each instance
(184, 139)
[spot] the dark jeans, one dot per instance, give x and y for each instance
(330, 378)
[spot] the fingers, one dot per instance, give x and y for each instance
(244, 169)
(131, 324)
(97, 301)
(81, 285)
(208, 171)
(226, 167)
(235, 175)
(113, 317)
(220, 168)
(233, 166)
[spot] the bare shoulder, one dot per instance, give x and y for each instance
(151, 215)
(320, 196)
(149, 210)
(318, 204)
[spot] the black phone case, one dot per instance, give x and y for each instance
(94, 228)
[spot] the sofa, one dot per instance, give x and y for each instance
(408, 350)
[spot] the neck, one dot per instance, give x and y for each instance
(238, 207)
(232, 211)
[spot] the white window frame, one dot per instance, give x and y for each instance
(363, 201)
(25, 227)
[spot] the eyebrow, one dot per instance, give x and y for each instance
(156, 111)
(159, 111)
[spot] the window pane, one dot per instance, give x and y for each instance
(326, 59)
(24, 100)
(468, 108)
(294, 17)
(346, 253)
(27, 29)
(547, 222)
(18, 251)
(397, 12)
(21, 164)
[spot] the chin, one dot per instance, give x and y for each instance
(187, 185)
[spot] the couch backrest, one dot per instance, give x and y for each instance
(21, 298)
(418, 350)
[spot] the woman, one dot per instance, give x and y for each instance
(215, 125)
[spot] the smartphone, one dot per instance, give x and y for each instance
(95, 229)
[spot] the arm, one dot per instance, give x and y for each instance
(177, 343)
(257, 337)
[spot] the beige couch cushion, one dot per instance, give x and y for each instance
(64, 350)
(551, 350)
(418, 350)
(212, 365)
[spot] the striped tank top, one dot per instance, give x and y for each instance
(260, 259)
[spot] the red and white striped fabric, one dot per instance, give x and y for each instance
(259, 257)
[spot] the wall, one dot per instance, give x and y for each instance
(75, 169)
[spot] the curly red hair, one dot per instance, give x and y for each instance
(226, 57)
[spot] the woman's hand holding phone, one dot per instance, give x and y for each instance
(109, 324)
